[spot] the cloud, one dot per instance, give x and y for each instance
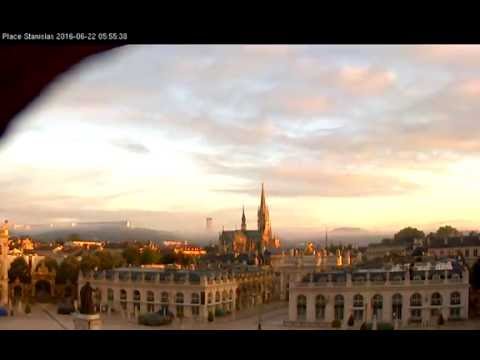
(338, 121)
(300, 178)
(308, 105)
(449, 54)
(469, 88)
(366, 81)
(131, 146)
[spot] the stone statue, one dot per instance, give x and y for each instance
(86, 300)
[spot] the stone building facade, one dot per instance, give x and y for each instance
(184, 293)
(293, 265)
(397, 295)
(4, 264)
(466, 246)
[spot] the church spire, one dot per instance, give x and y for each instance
(263, 203)
(244, 220)
(264, 227)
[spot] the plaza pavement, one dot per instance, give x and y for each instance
(44, 317)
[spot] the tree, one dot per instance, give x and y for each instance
(68, 270)
(446, 232)
(407, 235)
(51, 264)
(19, 268)
(131, 255)
(148, 256)
(118, 260)
(169, 258)
(89, 262)
(106, 260)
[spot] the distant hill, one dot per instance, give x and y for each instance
(341, 235)
(349, 230)
(107, 234)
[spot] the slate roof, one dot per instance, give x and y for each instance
(455, 242)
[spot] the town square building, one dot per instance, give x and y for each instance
(402, 295)
(184, 293)
(294, 264)
(466, 246)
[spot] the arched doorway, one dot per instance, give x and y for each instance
(43, 291)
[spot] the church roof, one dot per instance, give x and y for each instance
(251, 234)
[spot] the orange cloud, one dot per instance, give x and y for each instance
(469, 88)
(308, 105)
(454, 54)
(366, 80)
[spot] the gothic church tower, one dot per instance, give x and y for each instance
(264, 226)
(244, 220)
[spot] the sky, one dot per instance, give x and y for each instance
(376, 137)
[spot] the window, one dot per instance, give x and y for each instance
(136, 300)
(179, 298)
(195, 310)
(164, 298)
(467, 253)
(180, 311)
(98, 296)
(224, 296)
(416, 300)
(210, 298)
(150, 300)
(397, 307)
(123, 299)
(455, 313)
(475, 252)
(230, 295)
(301, 307)
(320, 307)
(339, 307)
(416, 314)
(455, 298)
(436, 299)
(217, 297)
(110, 296)
(377, 303)
(195, 298)
(358, 301)
(358, 314)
